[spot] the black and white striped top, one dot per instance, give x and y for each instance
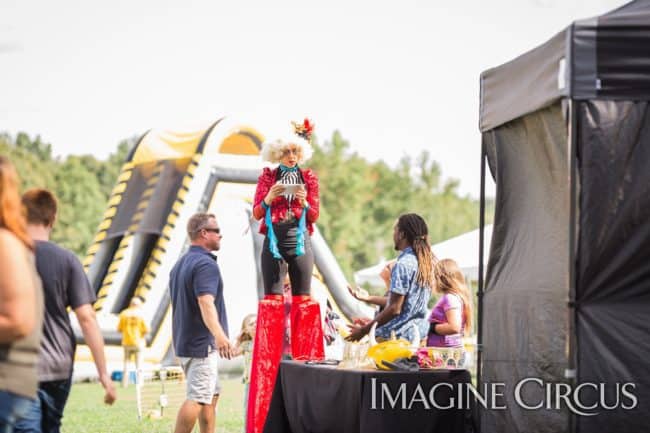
(290, 177)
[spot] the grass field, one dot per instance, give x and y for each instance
(86, 413)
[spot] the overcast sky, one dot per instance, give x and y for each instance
(395, 77)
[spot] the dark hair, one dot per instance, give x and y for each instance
(12, 215)
(198, 222)
(41, 206)
(413, 227)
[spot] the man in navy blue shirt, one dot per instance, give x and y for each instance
(199, 323)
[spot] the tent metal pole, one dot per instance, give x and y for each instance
(479, 293)
(571, 372)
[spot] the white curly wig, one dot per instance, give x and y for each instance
(272, 150)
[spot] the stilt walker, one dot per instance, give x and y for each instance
(287, 202)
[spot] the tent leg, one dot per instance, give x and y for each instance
(571, 372)
(479, 292)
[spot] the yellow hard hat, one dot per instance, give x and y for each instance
(389, 351)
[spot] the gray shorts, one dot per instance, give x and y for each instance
(202, 377)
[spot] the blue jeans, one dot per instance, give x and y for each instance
(12, 408)
(46, 411)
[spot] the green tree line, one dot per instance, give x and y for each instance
(82, 184)
(360, 200)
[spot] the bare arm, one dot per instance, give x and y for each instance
(211, 320)
(381, 301)
(362, 295)
(453, 325)
(237, 350)
(17, 291)
(393, 309)
(93, 337)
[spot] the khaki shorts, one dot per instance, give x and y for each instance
(202, 377)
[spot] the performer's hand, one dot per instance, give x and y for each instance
(275, 191)
(301, 195)
(359, 293)
(357, 332)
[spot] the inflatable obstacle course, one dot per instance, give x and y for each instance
(168, 177)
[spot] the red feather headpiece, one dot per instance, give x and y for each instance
(303, 130)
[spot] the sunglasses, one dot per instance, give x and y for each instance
(217, 230)
(287, 152)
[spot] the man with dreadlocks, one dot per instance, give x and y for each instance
(411, 283)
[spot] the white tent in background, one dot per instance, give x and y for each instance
(462, 248)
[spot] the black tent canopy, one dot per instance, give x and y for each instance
(566, 299)
(598, 58)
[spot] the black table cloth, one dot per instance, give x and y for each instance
(318, 398)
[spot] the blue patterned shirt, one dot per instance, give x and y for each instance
(414, 309)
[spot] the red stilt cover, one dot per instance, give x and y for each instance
(267, 351)
(306, 330)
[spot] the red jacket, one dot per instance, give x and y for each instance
(280, 206)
